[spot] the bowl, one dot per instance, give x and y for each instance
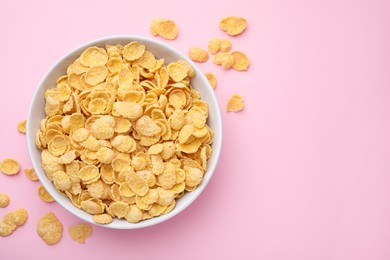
(160, 50)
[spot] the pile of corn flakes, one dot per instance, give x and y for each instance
(125, 134)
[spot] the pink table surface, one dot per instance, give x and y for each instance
(304, 172)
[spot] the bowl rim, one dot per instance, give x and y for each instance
(217, 137)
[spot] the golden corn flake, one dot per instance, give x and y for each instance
(233, 25)
(226, 60)
(31, 174)
(12, 220)
(102, 218)
(44, 195)
(177, 71)
(155, 149)
(164, 28)
(155, 26)
(226, 45)
(212, 79)
(134, 214)
(147, 127)
(22, 127)
(80, 232)
(6, 229)
(61, 181)
(4, 200)
(105, 155)
(93, 206)
(235, 103)
(241, 61)
(198, 54)
(137, 184)
(130, 110)
(94, 56)
(9, 166)
(121, 132)
(133, 51)
(49, 228)
(214, 45)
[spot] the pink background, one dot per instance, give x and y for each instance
(304, 172)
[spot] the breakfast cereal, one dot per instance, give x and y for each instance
(235, 103)
(22, 127)
(9, 166)
(80, 232)
(49, 228)
(233, 25)
(4, 200)
(124, 146)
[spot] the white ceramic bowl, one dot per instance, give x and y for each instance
(160, 50)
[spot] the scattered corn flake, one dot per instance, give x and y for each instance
(214, 45)
(4, 200)
(235, 103)
(224, 59)
(44, 195)
(80, 232)
(198, 54)
(31, 174)
(241, 61)
(212, 79)
(226, 45)
(155, 26)
(22, 127)
(49, 228)
(233, 25)
(9, 166)
(164, 28)
(168, 30)
(6, 229)
(12, 220)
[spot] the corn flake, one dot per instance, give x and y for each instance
(164, 28)
(49, 228)
(130, 110)
(9, 166)
(80, 232)
(12, 220)
(133, 51)
(94, 56)
(198, 54)
(212, 79)
(226, 60)
(44, 195)
(241, 61)
(22, 127)
(4, 200)
(137, 184)
(214, 45)
(235, 103)
(102, 218)
(233, 25)
(31, 174)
